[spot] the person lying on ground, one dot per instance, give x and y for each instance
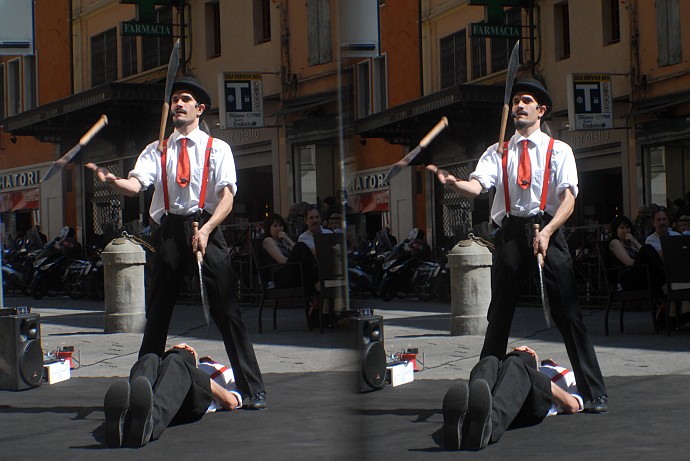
(513, 392)
(177, 388)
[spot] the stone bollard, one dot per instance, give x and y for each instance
(125, 308)
(470, 281)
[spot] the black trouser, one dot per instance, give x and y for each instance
(181, 392)
(173, 258)
(514, 261)
(287, 276)
(635, 277)
(520, 394)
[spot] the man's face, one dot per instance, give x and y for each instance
(683, 226)
(660, 222)
(527, 109)
(186, 110)
(314, 221)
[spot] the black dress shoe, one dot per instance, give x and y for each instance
(139, 425)
(598, 405)
(454, 410)
(478, 434)
(255, 402)
(115, 407)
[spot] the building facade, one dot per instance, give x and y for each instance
(27, 82)
(618, 76)
(311, 112)
(271, 67)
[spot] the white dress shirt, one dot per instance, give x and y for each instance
(225, 377)
(563, 378)
(185, 200)
(525, 202)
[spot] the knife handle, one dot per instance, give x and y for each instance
(540, 257)
(199, 256)
(98, 126)
(504, 124)
(440, 126)
(164, 122)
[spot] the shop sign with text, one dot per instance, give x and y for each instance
(241, 100)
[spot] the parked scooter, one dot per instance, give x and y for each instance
(422, 282)
(84, 277)
(401, 265)
(18, 267)
(364, 269)
(50, 266)
(440, 284)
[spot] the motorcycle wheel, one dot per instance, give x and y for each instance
(441, 287)
(39, 287)
(387, 290)
(74, 286)
(422, 289)
(94, 287)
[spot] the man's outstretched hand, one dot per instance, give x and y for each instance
(442, 175)
(102, 173)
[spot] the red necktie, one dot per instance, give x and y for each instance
(524, 168)
(183, 165)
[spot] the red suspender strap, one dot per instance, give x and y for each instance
(506, 194)
(165, 176)
(547, 176)
(204, 179)
(560, 375)
(222, 370)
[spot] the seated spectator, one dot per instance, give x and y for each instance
(336, 223)
(278, 248)
(295, 222)
(684, 225)
(660, 229)
(313, 227)
(326, 222)
(629, 252)
(643, 223)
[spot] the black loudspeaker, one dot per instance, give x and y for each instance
(21, 357)
(372, 374)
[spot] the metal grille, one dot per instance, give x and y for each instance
(104, 57)
(106, 206)
(156, 50)
(453, 59)
(457, 213)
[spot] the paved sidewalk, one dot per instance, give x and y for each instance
(408, 323)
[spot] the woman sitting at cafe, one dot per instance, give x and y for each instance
(279, 248)
(631, 253)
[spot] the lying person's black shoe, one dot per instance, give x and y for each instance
(115, 406)
(140, 415)
(255, 402)
(478, 435)
(598, 405)
(454, 410)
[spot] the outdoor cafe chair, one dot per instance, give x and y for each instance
(675, 251)
(269, 292)
(615, 293)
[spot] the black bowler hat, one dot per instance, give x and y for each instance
(535, 88)
(195, 87)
